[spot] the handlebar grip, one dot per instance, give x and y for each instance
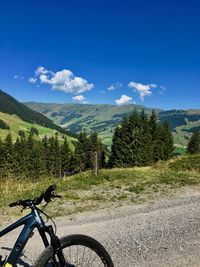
(48, 193)
(13, 204)
(51, 188)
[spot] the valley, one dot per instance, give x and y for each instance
(104, 118)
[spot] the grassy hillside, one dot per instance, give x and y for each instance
(76, 117)
(104, 118)
(16, 124)
(183, 123)
(112, 187)
(10, 105)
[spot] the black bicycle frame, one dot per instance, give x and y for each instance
(30, 222)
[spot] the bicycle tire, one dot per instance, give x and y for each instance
(76, 240)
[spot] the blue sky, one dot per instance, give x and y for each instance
(114, 52)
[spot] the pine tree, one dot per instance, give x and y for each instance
(81, 153)
(153, 125)
(194, 143)
(158, 152)
(116, 156)
(18, 158)
(45, 155)
(65, 157)
(139, 141)
(146, 145)
(163, 144)
(96, 151)
(168, 143)
(1, 158)
(57, 157)
(54, 156)
(50, 156)
(34, 157)
(8, 155)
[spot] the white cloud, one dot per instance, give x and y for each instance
(114, 86)
(18, 77)
(124, 99)
(63, 80)
(40, 70)
(142, 89)
(32, 80)
(79, 98)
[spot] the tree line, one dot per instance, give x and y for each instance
(138, 141)
(27, 157)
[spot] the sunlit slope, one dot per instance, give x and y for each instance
(77, 117)
(104, 118)
(16, 124)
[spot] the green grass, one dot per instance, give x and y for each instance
(186, 163)
(16, 124)
(84, 191)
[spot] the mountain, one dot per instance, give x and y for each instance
(104, 118)
(14, 125)
(76, 117)
(10, 105)
(182, 122)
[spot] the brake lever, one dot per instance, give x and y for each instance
(23, 208)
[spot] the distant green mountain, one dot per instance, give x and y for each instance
(76, 117)
(104, 118)
(10, 105)
(182, 122)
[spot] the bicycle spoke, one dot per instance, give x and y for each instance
(81, 256)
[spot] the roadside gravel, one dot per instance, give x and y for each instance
(163, 232)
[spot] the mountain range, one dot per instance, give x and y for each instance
(103, 118)
(70, 119)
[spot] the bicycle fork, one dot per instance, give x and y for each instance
(56, 245)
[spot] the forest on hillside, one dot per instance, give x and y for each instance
(138, 141)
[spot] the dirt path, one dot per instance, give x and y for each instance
(165, 232)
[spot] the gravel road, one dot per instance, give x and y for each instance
(165, 232)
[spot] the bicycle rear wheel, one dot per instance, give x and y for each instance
(79, 251)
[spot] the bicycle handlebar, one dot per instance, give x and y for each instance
(46, 196)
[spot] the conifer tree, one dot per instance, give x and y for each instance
(153, 125)
(81, 153)
(116, 156)
(18, 158)
(65, 157)
(34, 157)
(158, 151)
(168, 143)
(1, 158)
(194, 143)
(45, 155)
(8, 155)
(50, 156)
(96, 150)
(139, 141)
(57, 157)
(146, 146)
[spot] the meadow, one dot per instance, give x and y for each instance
(112, 188)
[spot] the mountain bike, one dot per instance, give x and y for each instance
(69, 251)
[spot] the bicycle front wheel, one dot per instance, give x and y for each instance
(79, 251)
